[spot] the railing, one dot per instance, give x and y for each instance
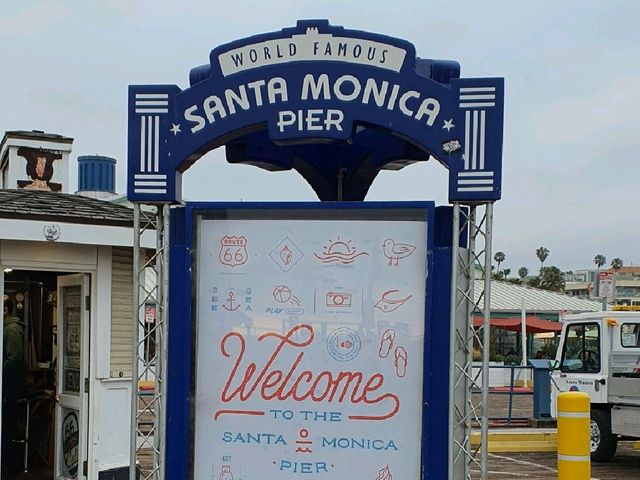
(511, 389)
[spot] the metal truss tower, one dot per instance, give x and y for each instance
(469, 391)
(150, 286)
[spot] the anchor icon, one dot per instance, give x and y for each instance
(230, 302)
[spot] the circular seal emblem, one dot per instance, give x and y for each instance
(70, 443)
(51, 232)
(343, 344)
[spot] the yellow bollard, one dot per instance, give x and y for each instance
(574, 431)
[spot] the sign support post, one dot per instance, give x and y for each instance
(465, 409)
(605, 287)
(150, 284)
(486, 343)
(460, 349)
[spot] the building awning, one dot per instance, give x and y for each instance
(508, 298)
(514, 324)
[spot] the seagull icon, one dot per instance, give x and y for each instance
(395, 251)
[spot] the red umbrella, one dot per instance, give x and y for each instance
(535, 324)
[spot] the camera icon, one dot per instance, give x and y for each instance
(338, 299)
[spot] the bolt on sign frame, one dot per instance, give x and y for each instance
(338, 106)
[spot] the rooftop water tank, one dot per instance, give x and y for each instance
(96, 176)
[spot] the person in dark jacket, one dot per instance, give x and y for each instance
(13, 366)
(13, 380)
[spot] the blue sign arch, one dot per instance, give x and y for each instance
(336, 105)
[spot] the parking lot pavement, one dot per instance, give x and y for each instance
(542, 465)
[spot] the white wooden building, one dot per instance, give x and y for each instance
(67, 271)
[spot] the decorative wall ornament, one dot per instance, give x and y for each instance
(52, 232)
(39, 169)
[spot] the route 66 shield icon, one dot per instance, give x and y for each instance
(233, 251)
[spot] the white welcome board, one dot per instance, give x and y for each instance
(310, 339)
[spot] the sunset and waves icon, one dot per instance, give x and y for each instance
(339, 251)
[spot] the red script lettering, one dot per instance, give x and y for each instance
(269, 383)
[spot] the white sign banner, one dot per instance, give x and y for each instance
(605, 288)
(310, 338)
(312, 46)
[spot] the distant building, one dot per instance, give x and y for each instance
(581, 283)
(626, 281)
(508, 299)
(543, 309)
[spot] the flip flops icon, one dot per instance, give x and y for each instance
(400, 361)
(400, 356)
(386, 343)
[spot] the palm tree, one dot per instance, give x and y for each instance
(506, 272)
(523, 272)
(542, 253)
(499, 257)
(551, 279)
(616, 264)
(599, 260)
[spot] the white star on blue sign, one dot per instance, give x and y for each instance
(448, 124)
(175, 129)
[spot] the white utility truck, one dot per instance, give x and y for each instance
(599, 353)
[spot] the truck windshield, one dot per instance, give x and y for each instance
(581, 352)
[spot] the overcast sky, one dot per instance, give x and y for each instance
(572, 73)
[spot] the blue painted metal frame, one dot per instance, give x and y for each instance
(180, 401)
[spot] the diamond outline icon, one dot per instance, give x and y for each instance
(286, 254)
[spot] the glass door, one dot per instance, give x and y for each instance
(72, 390)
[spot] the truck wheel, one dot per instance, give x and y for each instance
(603, 442)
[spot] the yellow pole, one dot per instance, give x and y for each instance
(574, 430)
